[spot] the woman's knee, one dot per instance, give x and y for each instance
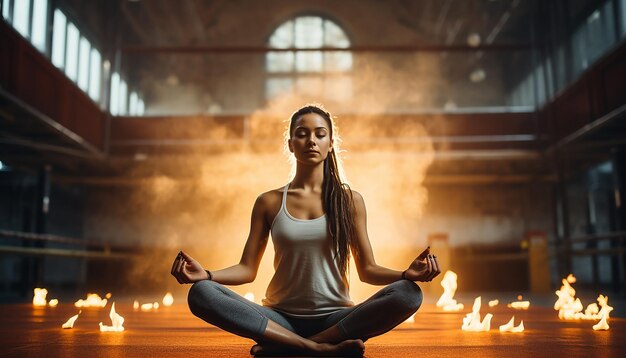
(409, 294)
(199, 296)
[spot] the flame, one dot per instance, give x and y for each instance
(168, 299)
(571, 308)
(92, 300)
(39, 299)
(604, 314)
(472, 322)
(509, 327)
(53, 302)
(70, 322)
(117, 321)
(136, 305)
(147, 306)
(108, 295)
(249, 296)
(519, 305)
(493, 303)
(446, 301)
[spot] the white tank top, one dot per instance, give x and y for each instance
(307, 281)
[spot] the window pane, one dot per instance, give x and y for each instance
(309, 32)
(123, 97)
(334, 36)
(279, 61)
(71, 53)
(83, 73)
(337, 61)
(309, 86)
(58, 39)
(115, 94)
(338, 88)
(310, 61)
(277, 86)
(134, 99)
(140, 108)
(94, 76)
(283, 36)
(21, 16)
(5, 9)
(622, 6)
(40, 18)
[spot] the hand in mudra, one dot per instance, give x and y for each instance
(424, 268)
(187, 270)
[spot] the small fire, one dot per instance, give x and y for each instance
(472, 322)
(92, 300)
(70, 322)
(149, 306)
(116, 320)
(136, 305)
(108, 296)
(519, 305)
(249, 296)
(168, 299)
(39, 299)
(509, 327)
(446, 301)
(493, 303)
(53, 302)
(603, 325)
(571, 308)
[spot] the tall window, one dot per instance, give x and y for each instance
(309, 73)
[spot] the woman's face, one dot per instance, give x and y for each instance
(310, 140)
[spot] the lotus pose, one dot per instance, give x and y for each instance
(316, 222)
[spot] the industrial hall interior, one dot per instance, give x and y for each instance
(235, 178)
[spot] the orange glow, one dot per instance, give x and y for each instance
(116, 320)
(510, 327)
(447, 301)
(136, 305)
(410, 319)
(168, 300)
(53, 302)
(39, 299)
(108, 296)
(519, 305)
(493, 303)
(92, 300)
(70, 322)
(472, 322)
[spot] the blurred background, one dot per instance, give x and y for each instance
(492, 130)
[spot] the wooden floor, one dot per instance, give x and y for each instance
(173, 331)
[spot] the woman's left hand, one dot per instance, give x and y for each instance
(424, 268)
(187, 270)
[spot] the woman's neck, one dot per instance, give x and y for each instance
(308, 177)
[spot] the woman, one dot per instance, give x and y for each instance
(315, 222)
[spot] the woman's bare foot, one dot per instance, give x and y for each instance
(347, 348)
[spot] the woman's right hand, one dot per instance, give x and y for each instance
(187, 270)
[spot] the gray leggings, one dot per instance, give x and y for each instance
(227, 310)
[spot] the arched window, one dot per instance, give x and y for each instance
(321, 74)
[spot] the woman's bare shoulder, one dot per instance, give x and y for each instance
(271, 199)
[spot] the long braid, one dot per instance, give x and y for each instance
(336, 196)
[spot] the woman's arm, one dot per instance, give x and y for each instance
(423, 268)
(188, 270)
